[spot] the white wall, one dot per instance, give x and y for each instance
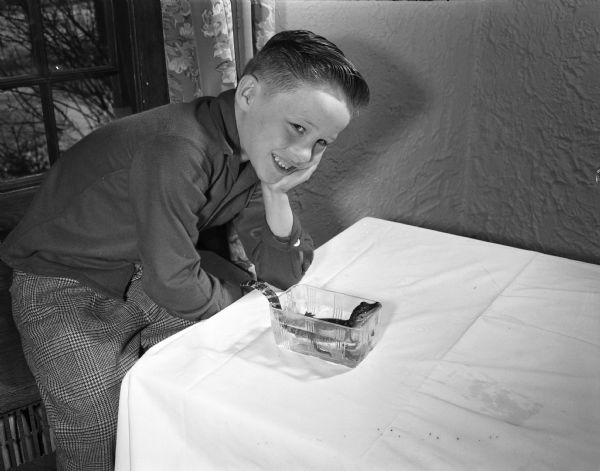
(484, 120)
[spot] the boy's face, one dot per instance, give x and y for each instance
(287, 132)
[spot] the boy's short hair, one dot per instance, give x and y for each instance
(291, 58)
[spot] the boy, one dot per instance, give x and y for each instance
(107, 259)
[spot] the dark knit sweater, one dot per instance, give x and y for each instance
(141, 190)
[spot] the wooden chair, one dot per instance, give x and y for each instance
(26, 442)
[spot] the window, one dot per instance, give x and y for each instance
(67, 67)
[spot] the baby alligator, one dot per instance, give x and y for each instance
(358, 315)
(265, 288)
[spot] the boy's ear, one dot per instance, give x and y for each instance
(246, 91)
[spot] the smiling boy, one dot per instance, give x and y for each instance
(124, 243)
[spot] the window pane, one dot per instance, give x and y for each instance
(81, 106)
(23, 149)
(76, 34)
(15, 40)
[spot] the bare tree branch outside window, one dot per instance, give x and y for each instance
(51, 80)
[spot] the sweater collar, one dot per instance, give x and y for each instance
(223, 113)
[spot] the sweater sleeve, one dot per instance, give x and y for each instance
(279, 261)
(166, 194)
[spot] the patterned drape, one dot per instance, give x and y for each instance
(200, 38)
(180, 50)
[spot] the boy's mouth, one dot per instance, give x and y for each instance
(282, 165)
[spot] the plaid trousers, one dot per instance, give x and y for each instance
(79, 344)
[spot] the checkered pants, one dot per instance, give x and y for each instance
(79, 345)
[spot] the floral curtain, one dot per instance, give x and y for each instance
(263, 20)
(201, 38)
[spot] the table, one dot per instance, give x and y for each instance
(489, 360)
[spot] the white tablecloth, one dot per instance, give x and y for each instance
(489, 360)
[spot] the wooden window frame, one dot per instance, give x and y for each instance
(140, 63)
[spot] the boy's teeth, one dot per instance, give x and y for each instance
(280, 163)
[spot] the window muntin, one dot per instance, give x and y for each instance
(59, 80)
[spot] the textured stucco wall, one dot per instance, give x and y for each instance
(403, 158)
(484, 120)
(535, 137)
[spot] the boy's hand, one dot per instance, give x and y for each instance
(277, 205)
(293, 179)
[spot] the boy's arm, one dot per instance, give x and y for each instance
(278, 211)
(165, 194)
(274, 239)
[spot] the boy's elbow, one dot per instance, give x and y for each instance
(280, 276)
(280, 280)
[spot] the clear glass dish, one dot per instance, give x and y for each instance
(300, 324)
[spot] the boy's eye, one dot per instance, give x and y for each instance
(299, 128)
